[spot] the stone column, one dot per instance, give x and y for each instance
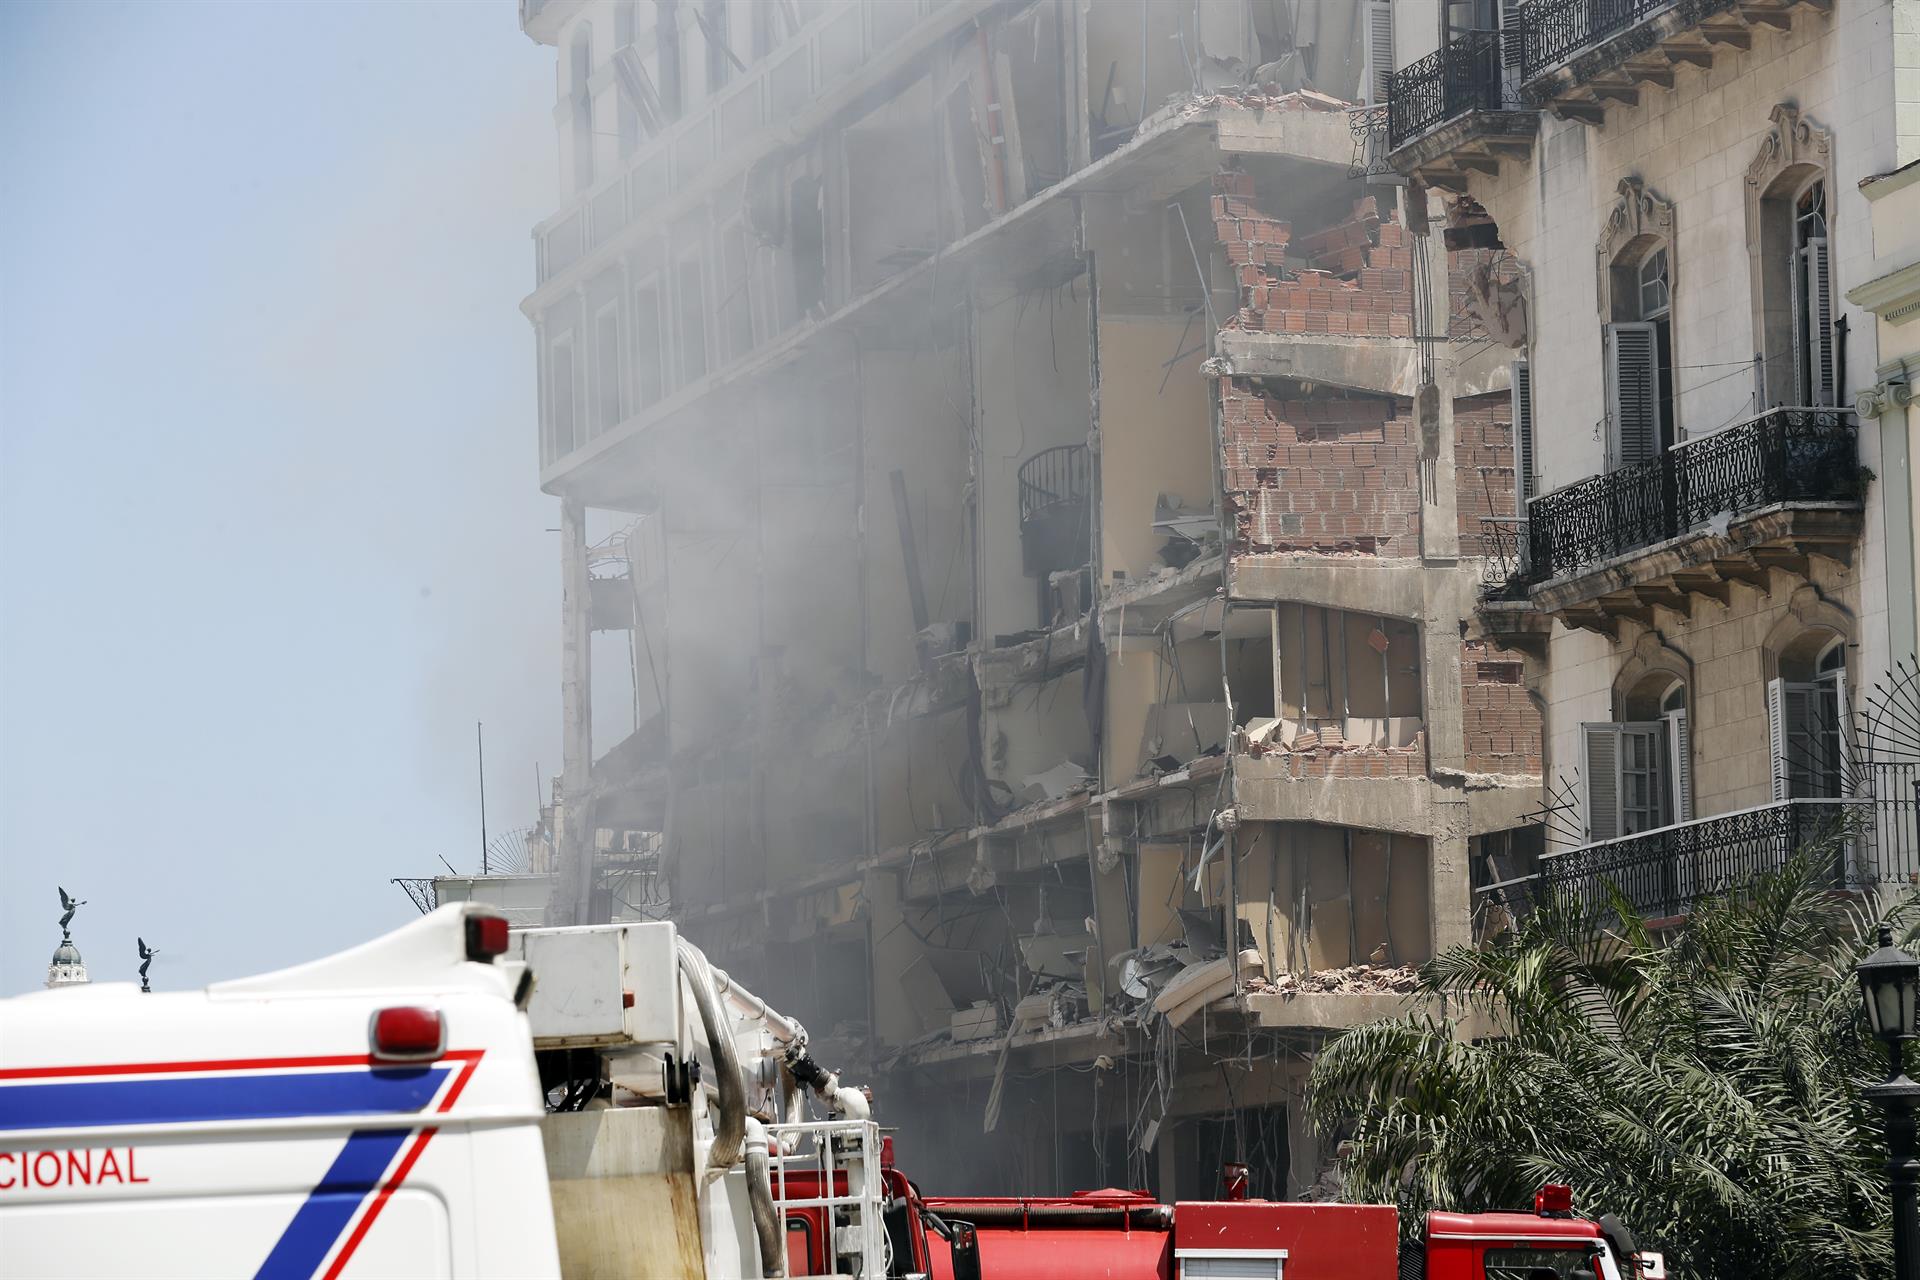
(573, 887)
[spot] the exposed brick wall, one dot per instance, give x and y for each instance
(1482, 465)
(1327, 474)
(1354, 277)
(1502, 723)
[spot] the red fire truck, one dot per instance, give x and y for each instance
(1128, 1235)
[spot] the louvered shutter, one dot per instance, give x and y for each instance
(1795, 741)
(1843, 731)
(1603, 781)
(1511, 50)
(1819, 321)
(1680, 759)
(1378, 72)
(1524, 485)
(1633, 393)
(1777, 735)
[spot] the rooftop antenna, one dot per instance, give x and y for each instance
(480, 741)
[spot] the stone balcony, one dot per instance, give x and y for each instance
(1580, 55)
(1459, 109)
(1765, 494)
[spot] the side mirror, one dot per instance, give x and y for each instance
(966, 1251)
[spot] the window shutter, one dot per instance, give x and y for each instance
(1524, 485)
(1795, 749)
(1820, 322)
(1512, 49)
(1633, 393)
(636, 87)
(1603, 781)
(1843, 731)
(1777, 731)
(1378, 71)
(1680, 754)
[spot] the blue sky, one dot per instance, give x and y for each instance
(271, 538)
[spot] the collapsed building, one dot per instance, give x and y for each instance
(1022, 486)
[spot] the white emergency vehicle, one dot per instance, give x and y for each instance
(383, 1112)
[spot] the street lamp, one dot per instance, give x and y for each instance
(1890, 985)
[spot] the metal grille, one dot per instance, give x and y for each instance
(1466, 75)
(1661, 873)
(421, 890)
(1368, 125)
(1784, 455)
(1502, 539)
(1053, 477)
(1558, 30)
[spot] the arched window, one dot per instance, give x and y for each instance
(1808, 715)
(1639, 769)
(580, 71)
(1791, 262)
(1636, 301)
(1810, 291)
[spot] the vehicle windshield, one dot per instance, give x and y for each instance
(1585, 1261)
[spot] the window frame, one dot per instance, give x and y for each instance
(563, 340)
(598, 423)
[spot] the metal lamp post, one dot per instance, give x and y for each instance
(1890, 987)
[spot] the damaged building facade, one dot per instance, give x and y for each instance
(1712, 576)
(1024, 485)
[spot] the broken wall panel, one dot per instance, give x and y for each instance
(1031, 374)
(917, 772)
(1028, 737)
(1331, 474)
(1483, 466)
(1134, 63)
(1155, 446)
(1502, 719)
(1321, 897)
(1031, 51)
(1352, 277)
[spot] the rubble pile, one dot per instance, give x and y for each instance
(1357, 979)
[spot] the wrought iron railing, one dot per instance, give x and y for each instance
(1503, 541)
(1783, 455)
(1052, 477)
(1055, 514)
(1661, 873)
(1470, 73)
(1558, 30)
(421, 891)
(1368, 125)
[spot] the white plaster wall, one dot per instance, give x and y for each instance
(1691, 145)
(1906, 79)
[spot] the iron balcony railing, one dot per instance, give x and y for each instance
(1559, 30)
(1502, 541)
(1783, 455)
(1476, 72)
(1661, 873)
(1052, 477)
(1054, 509)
